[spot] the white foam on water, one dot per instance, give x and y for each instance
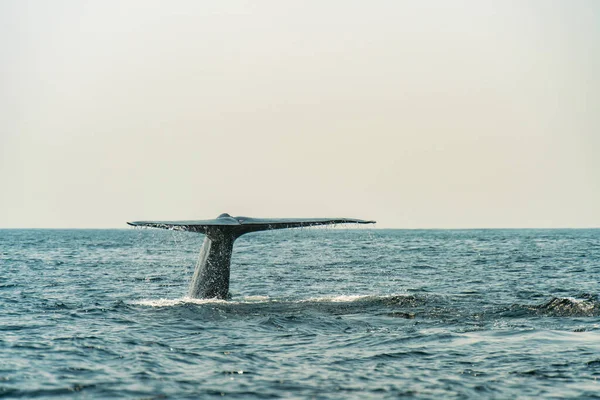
(190, 300)
(256, 299)
(175, 302)
(340, 299)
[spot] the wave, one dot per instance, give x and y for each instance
(588, 306)
(394, 305)
(568, 307)
(392, 299)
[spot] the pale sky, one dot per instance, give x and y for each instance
(418, 114)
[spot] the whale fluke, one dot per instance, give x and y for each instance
(211, 276)
(246, 224)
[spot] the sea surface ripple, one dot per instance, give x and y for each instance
(314, 313)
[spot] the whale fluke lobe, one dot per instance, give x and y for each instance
(211, 276)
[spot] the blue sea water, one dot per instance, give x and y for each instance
(314, 313)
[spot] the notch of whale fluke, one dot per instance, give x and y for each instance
(211, 276)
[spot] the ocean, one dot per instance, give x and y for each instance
(313, 314)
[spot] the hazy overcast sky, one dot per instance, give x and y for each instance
(419, 114)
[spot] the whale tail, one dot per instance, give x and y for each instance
(211, 276)
(243, 225)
